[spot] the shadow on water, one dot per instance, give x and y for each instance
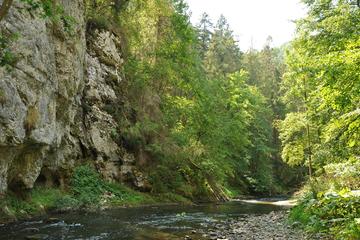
(143, 223)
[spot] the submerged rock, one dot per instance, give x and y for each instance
(31, 230)
(37, 237)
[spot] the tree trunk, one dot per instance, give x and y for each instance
(308, 130)
(4, 9)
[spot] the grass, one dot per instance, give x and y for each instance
(87, 190)
(40, 200)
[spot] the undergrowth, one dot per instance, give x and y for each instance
(87, 190)
(336, 214)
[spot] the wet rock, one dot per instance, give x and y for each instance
(31, 230)
(37, 237)
(52, 220)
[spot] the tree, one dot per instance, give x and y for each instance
(252, 65)
(224, 55)
(322, 82)
(204, 32)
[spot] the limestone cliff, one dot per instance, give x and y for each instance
(54, 112)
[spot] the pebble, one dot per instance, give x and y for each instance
(259, 227)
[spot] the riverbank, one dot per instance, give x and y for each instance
(261, 227)
(86, 191)
(46, 201)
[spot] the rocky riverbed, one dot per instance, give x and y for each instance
(238, 220)
(260, 227)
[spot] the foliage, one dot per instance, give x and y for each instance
(51, 10)
(87, 190)
(332, 213)
(322, 85)
(321, 89)
(87, 185)
(294, 139)
(223, 56)
(196, 116)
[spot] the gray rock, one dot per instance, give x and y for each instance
(54, 102)
(262, 227)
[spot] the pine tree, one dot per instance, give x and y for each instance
(204, 32)
(224, 55)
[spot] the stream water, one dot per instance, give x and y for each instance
(143, 223)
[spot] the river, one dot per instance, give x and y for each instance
(141, 223)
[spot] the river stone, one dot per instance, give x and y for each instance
(262, 227)
(31, 230)
(37, 237)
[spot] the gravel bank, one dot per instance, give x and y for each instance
(255, 227)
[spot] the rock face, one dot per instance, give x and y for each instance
(55, 101)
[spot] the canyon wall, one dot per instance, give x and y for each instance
(56, 102)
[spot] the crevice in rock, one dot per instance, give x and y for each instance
(19, 189)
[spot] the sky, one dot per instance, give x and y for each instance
(253, 20)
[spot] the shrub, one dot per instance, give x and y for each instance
(89, 189)
(66, 202)
(334, 213)
(87, 185)
(7, 57)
